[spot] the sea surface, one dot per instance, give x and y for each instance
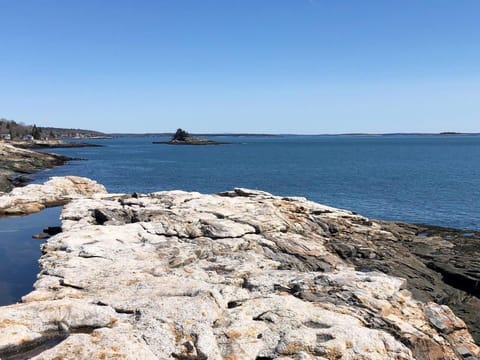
(419, 179)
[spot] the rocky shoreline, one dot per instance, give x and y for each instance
(51, 144)
(239, 275)
(15, 161)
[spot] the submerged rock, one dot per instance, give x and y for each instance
(40, 236)
(241, 275)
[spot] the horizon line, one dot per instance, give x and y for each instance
(296, 134)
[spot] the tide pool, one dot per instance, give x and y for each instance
(19, 252)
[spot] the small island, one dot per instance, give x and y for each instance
(182, 137)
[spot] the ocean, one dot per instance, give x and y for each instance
(418, 179)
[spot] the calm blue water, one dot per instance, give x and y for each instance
(19, 253)
(419, 179)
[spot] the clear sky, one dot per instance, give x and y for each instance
(282, 66)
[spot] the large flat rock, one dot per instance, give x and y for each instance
(241, 275)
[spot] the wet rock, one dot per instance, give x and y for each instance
(22, 180)
(52, 230)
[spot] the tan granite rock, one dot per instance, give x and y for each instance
(242, 275)
(56, 191)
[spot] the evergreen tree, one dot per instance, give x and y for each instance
(36, 132)
(180, 135)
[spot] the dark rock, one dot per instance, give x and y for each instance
(440, 264)
(52, 230)
(14, 161)
(21, 180)
(113, 217)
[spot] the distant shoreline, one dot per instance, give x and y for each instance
(48, 144)
(115, 135)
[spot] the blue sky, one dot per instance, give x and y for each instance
(282, 66)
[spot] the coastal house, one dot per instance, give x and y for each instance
(27, 138)
(5, 136)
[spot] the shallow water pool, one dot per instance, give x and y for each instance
(19, 252)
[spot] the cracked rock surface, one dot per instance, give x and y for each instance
(239, 275)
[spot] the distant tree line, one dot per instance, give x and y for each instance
(18, 130)
(15, 131)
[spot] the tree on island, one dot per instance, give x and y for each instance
(180, 135)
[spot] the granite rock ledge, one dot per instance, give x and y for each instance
(54, 192)
(239, 275)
